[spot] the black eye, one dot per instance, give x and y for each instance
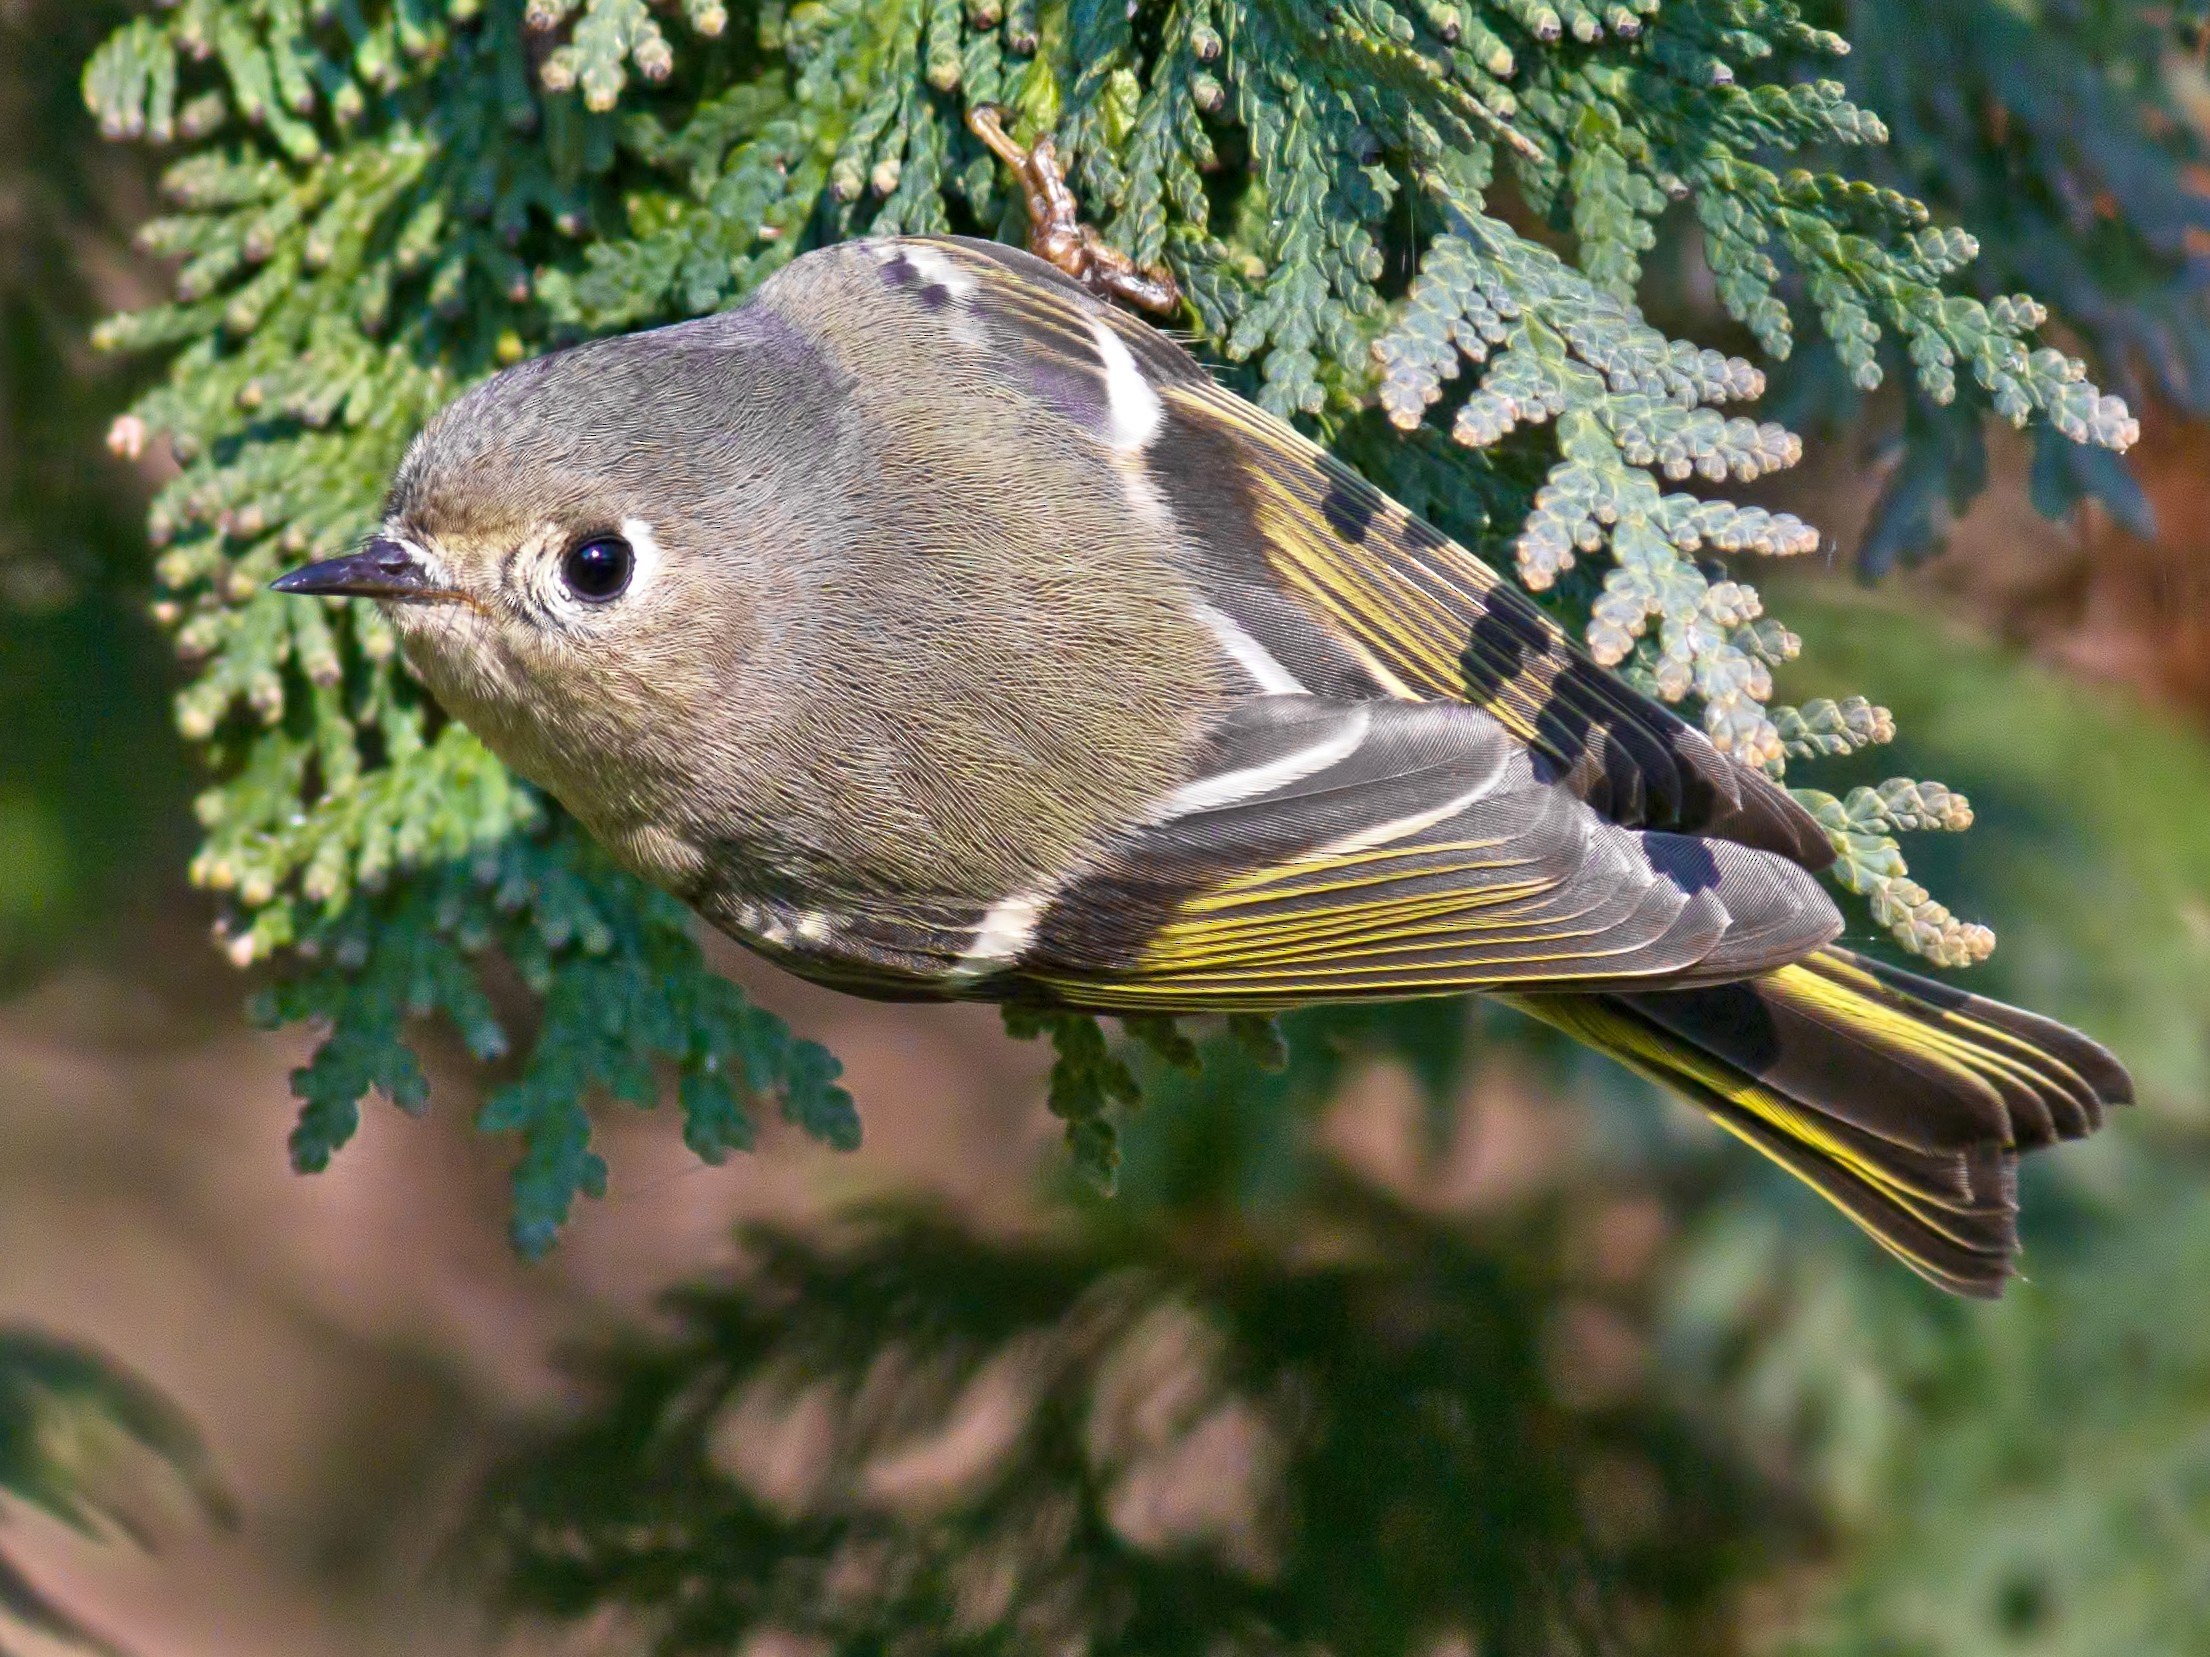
(598, 569)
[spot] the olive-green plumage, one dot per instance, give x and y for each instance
(941, 632)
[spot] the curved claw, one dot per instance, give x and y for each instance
(1056, 232)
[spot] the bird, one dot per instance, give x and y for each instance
(941, 631)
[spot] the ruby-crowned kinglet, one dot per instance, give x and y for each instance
(939, 631)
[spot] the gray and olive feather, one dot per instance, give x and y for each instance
(942, 632)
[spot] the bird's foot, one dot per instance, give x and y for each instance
(1056, 232)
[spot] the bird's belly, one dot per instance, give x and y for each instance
(884, 948)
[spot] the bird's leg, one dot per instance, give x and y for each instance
(1056, 232)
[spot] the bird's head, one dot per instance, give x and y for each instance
(580, 555)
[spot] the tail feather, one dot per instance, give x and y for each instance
(1904, 1102)
(2073, 1079)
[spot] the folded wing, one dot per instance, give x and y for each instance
(1328, 850)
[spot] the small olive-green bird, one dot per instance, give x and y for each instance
(939, 631)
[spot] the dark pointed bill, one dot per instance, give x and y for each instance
(382, 569)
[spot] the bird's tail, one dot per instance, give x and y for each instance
(1902, 1101)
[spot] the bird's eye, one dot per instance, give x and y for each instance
(598, 569)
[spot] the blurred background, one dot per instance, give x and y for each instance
(1442, 1338)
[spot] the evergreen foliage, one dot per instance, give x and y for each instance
(1420, 228)
(96, 1449)
(2064, 135)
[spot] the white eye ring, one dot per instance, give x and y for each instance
(557, 572)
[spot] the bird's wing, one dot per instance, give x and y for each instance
(1341, 588)
(1325, 850)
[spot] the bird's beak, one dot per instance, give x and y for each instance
(382, 569)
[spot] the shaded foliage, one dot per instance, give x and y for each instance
(97, 1449)
(1348, 1428)
(90, 777)
(2069, 137)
